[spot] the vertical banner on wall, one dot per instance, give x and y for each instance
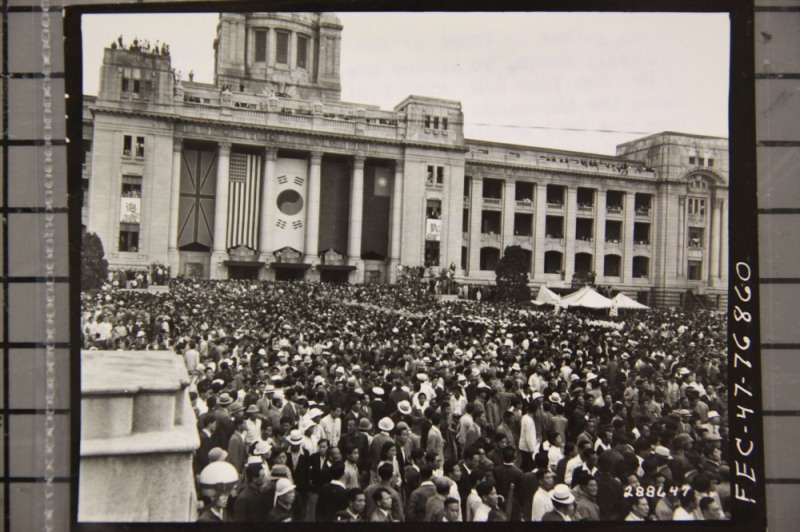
(433, 230)
(130, 210)
(244, 200)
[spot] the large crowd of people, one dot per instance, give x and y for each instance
(381, 403)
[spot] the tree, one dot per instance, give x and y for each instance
(512, 275)
(94, 266)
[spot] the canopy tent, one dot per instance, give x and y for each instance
(622, 301)
(546, 297)
(586, 297)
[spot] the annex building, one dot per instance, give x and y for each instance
(268, 174)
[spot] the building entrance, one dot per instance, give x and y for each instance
(243, 272)
(289, 274)
(334, 276)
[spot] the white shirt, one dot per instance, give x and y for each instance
(572, 465)
(331, 429)
(481, 513)
(527, 435)
(541, 504)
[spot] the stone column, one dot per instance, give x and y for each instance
(356, 217)
(540, 217)
(509, 204)
(628, 214)
(174, 203)
(599, 233)
(268, 205)
(723, 255)
(220, 252)
(475, 209)
(682, 229)
(396, 228)
(570, 222)
(713, 251)
(312, 211)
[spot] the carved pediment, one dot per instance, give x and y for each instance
(288, 254)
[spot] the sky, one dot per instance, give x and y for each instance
(539, 79)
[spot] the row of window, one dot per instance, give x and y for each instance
(133, 84)
(701, 161)
(132, 146)
(436, 122)
(282, 48)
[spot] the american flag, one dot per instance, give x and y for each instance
(244, 200)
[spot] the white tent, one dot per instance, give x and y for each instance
(586, 297)
(622, 301)
(546, 297)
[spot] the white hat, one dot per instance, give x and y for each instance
(404, 407)
(555, 398)
(283, 486)
(315, 412)
(295, 437)
(386, 424)
(377, 390)
(562, 494)
(662, 452)
(713, 413)
(536, 395)
(262, 448)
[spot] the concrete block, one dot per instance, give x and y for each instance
(106, 417)
(153, 412)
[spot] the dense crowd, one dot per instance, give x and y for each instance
(380, 403)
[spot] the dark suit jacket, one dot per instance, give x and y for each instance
(529, 485)
(332, 500)
(552, 516)
(301, 470)
(504, 476)
(201, 456)
(249, 506)
(417, 501)
(317, 473)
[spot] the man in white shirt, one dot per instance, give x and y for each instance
(331, 425)
(528, 441)
(488, 494)
(542, 503)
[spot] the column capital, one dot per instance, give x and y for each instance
(358, 162)
(315, 157)
(271, 153)
(224, 147)
(398, 165)
(177, 144)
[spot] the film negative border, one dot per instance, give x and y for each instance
(775, 490)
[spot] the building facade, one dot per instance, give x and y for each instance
(268, 174)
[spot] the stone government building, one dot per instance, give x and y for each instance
(268, 174)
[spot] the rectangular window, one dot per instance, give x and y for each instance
(435, 122)
(433, 209)
(428, 121)
(140, 146)
(129, 237)
(435, 175)
(444, 124)
(695, 237)
(87, 150)
(711, 162)
(260, 38)
(695, 270)
(127, 145)
(697, 206)
(131, 80)
(691, 160)
(701, 161)
(302, 52)
(131, 194)
(282, 47)
(431, 253)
